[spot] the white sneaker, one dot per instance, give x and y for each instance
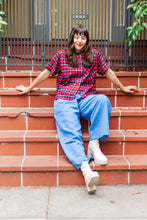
(91, 177)
(95, 152)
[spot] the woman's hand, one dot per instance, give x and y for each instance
(22, 89)
(114, 79)
(129, 89)
(40, 78)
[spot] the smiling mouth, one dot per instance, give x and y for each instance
(79, 45)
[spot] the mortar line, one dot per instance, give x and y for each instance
(123, 152)
(144, 99)
(21, 176)
(24, 138)
(139, 79)
(119, 119)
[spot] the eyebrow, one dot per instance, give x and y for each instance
(80, 34)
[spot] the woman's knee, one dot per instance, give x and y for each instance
(104, 100)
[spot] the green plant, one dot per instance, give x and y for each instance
(138, 9)
(2, 22)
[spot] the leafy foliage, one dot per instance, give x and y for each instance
(2, 22)
(138, 9)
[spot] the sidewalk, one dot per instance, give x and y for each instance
(73, 202)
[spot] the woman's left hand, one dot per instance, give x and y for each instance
(114, 79)
(130, 89)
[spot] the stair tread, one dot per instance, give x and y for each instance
(18, 136)
(43, 119)
(30, 112)
(49, 112)
(44, 98)
(52, 91)
(47, 135)
(54, 163)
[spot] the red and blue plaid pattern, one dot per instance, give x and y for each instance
(76, 80)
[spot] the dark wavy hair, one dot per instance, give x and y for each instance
(87, 57)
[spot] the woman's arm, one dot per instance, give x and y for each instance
(113, 78)
(40, 78)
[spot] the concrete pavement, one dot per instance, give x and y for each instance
(73, 203)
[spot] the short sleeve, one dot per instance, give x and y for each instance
(102, 66)
(53, 65)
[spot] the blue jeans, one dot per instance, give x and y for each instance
(96, 109)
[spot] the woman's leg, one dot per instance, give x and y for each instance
(67, 117)
(97, 109)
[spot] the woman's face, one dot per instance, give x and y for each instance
(79, 41)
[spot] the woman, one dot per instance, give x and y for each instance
(76, 97)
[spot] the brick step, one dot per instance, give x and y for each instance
(55, 171)
(43, 119)
(35, 158)
(15, 78)
(43, 143)
(44, 98)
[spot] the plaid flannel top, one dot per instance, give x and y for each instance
(76, 80)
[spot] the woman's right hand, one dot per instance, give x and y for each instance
(40, 78)
(22, 89)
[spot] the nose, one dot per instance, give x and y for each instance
(80, 39)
